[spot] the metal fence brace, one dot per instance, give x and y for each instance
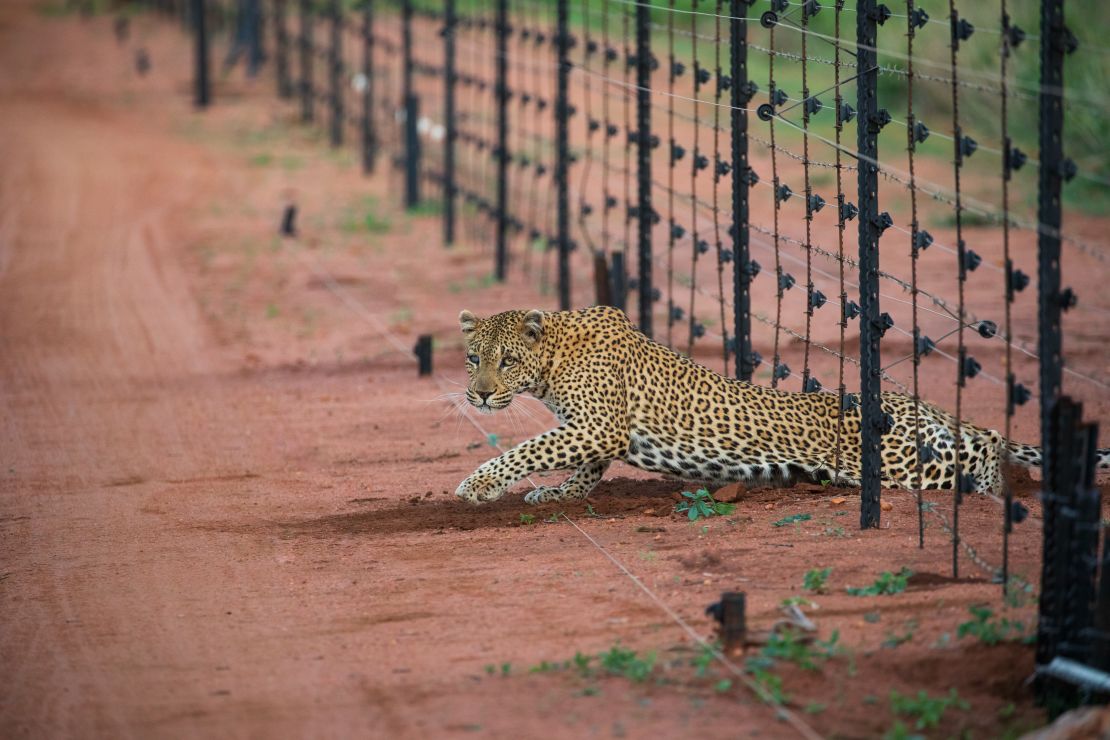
(450, 131)
(411, 111)
(367, 130)
(335, 73)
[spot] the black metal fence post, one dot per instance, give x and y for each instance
(741, 94)
(369, 146)
(870, 229)
(449, 24)
(281, 50)
(335, 72)
(1051, 178)
(1067, 622)
(562, 150)
(202, 94)
(501, 148)
(412, 111)
(306, 48)
(644, 212)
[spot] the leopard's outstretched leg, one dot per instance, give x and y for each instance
(559, 449)
(578, 486)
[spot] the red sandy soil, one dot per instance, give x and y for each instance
(226, 500)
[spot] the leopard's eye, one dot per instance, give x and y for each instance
(473, 359)
(508, 361)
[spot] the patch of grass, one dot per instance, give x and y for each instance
(527, 519)
(992, 631)
(263, 159)
(620, 661)
(426, 208)
(792, 519)
(926, 711)
(815, 580)
(791, 646)
(272, 311)
(701, 504)
(887, 584)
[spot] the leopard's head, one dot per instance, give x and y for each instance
(502, 357)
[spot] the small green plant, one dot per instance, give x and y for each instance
(927, 710)
(815, 580)
(705, 657)
(590, 511)
(991, 631)
(624, 662)
(506, 669)
(491, 669)
(899, 731)
(814, 707)
(770, 682)
(723, 685)
(701, 504)
(887, 584)
(792, 519)
(893, 640)
(554, 518)
(527, 519)
(792, 646)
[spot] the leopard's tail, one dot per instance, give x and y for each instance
(1030, 455)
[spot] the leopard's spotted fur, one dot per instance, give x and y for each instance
(620, 396)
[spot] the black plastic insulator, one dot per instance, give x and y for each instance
(723, 168)
(611, 130)
(1015, 36)
(883, 323)
(1068, 299)
(726, 255)
(782, 371)
(972, 260)
(753, 178)
(926, 454)
(701, 75)
(880, 14)
(1019, 512)
(968, 146)
(920, 132)
(677, 68)
(810, 8)
(885, 424)
(677, 231)
(594, 125)
(812, 106)
(697, 330)
(884, 221)
(786, 281)
(812, 385)
(724, 82)
(918, 18)
(923, 345)
(851, 310)
(753, 269)
(610, 54)
(677, 152)
(702, 246)
(783, 193)
(845, 113)
(849, 402)
(769, 19)
(967, 482)
(1017, 281)
(969, 366)
(779, 97)
(1016, 158)
(848, 211)
(963, 29)
(816, 299)
(1068, 169)
(765, 112)
(676, 313)
(879, 120)
(922, 240)
(815, 203)
(748, 90)
(1019, 394)
(700, 161)
(987, 329)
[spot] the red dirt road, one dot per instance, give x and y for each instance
(224, 500)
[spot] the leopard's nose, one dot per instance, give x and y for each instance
(484, 395)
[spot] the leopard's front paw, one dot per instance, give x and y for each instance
(480, 488)
(543, 495)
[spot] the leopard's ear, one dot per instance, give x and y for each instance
(531, 328)
(468, 321)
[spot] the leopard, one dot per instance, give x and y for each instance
(619, 395)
